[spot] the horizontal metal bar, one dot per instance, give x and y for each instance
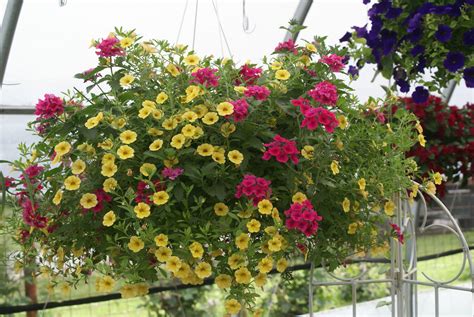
(12, 110)
(353, 282)
(458, 288)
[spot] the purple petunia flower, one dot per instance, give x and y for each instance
(468, 37)
(444, 33)
(366, 1)
(420, 95)
(418, 49)
(454, 61)
(346, 37)
(468, 75)
(404, 85)
(393, 13)
(353, 71)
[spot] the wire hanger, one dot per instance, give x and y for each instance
(245, 20)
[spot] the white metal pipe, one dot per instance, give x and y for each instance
(7, 31)
(300, 16)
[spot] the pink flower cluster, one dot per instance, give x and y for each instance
(287, 46)
(398, 232)
(240, 109)
(102, 197)
(303, 217)
(144, 191)
(282, 149)
(7, 182)
(258, 92)
(335, 62)
(254, 188)
(49, 107)
(108, 47)
(250, 74)
(313, 117)
(172, 173)
(206, 76)
(31, 216)
(324, 93)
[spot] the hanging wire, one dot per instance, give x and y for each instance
(245, 20)
(221, 28)
(62, 3)
(182, 22)
(221, 44)
(195, 22)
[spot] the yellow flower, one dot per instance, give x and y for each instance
(58, 197)
(119, 123)
(242, 241)
(438, 179)
(161, 98)
(227, 129)
(62, 148)
(191, 60)
(210, 118)
(239, 89)
(339, 144)
(126, 80)
(200, 110)
(253, 226)
(352, 229)
(188, 130)
(65, 288)
(125, 152)
(203, 270)
(161, 240)
(196, 250)
(281, 265)
(190, 116)
(310, 47)
(173, 70)
(308, 152)
(148, 169)
(94, 121)
(144, 112)
(431, 188)
(235, 157)
(126, 42)
(242, 276)
(169, 124)
(163, 254)
(142, 210)
(221, 209)
(173, 264)
(299, 197)
(225, 109)
(160, 198)
(343, 123)
(361, 182)
(265, 265)
(148, 48)
(149, 104)
(232, 306)
(106, 145)
(389, 208)
(109, 219)
(156, 145)
(109, 185)
(421, 140)
(177, 141)
(218, 156)
(198, 133)
(108, 158)
(128, 137)
(128, 291)
(418, 127)
(265, 207)
(274, 244)
(276, 65)
(192, 92)
(154, 132)
(223, 281)
(72, 183)
(205, 149)
(282, 74)
(260, 280)
(335, 167)
(141, 289)
(109, 169)
(88, 201)
(135, 244)
(346, 205)
(235, 261)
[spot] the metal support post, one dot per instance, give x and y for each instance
(7, 31)
(300, 16)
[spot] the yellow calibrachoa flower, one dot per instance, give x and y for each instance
(78, 167)
(265, 265)
(218, 155)
(72, 183)
(65, 288)
(265, 207)
(418, 127)
(109, 219)
(88, 201)
(142, 210)
(126, 42)
(352, 229)
(173, 70)
(149, 103)
(109, 185)
(163, 254)
(281, 265)
(282, 74)
(161, 98)
(223, 281)
(148, 169)
(221, 209)
(128, 291)
(196, 249)
(135, 244)
(299, 197)
(145, 112)
(235, 157)
(127, 80)
(58, 197)
(203, 270)
(210, 118)
(389, 208)
(308, 152)
(260, 280)
(343, 123)
(177, 141)
(346, 205)
(253, 226)
(108, 158)
(438, 179)
(232, 306)
(94, 121)
(362, 183)
(276, 65)
(191, 60)
(192, 92)
(225, 109)
(205, 149)
(156, 145)
(335, 167)
(109, 169)
(160, 198)
(310, 47)
(128, 137)
(188, 130)
(125, 152)
(274, 244)
(243, 276)
(421, 140)
(190, 116)
(431, 188)
(235, 261)
(242, 241)
(62, 148)
(161, 240)
(106, 284)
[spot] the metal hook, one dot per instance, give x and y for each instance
(245, 20)
(62, 3)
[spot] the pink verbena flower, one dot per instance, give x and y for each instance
(240, 109)
(258, 92)
(282, 149)
(335, 62)
(102, 197)
(254, 188)
(250, 74)
(324, 93)
(302, 217)
(301, 103)
(172, 173)
(49, 107)
(30, 215)
(108, 48)
(206, 76)
(316, 116)
(287, 46)
(398, 232)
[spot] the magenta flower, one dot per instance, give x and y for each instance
(333, 61)
(258, 92)
(324, 93)
(398, 232)
(254, 188)
(49, 107)
(206, 76)
(288, 46)
(282, 149)
(240, 109)
(250, 74)
(172, 173)
(108, 48)
(303, 217)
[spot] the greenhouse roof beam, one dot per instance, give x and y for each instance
(300, 16)
(7, 31)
